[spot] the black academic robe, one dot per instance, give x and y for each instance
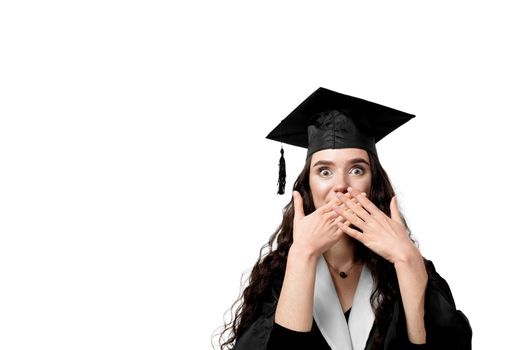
(284, 338)
(446, 327)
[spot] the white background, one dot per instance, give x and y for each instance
(137, 185)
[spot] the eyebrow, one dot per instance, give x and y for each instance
(351, 161)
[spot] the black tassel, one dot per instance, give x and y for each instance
(282, 173)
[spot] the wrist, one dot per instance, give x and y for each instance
(301, 252)
(409, 256)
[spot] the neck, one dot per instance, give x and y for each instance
(342, 254)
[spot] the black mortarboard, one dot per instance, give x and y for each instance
(329, 119)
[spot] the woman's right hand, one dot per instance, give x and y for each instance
(318, 231)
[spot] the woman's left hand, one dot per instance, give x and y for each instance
(385, 236)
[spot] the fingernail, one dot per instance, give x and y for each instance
(363, 193)
(349, 189)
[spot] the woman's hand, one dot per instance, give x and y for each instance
(318, 231)
(311, 235)
(385, 236)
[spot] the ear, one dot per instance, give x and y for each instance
(394, 210)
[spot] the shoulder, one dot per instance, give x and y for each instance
(275, 289)
(262, 305)
(447, 327)
(256, 336)
(436, 282)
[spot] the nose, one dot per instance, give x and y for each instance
(341, 183)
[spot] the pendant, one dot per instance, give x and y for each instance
(342, 274)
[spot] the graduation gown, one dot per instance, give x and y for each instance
(446, 327)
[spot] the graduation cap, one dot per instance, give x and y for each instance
(329, 119)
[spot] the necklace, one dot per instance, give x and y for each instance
(344, 274)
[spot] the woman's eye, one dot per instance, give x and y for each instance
(359, 172)
(323, 170)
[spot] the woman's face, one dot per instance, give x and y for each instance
(334, 170)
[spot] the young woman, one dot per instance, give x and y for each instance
(346, 273)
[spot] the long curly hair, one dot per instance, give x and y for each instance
(272, 265)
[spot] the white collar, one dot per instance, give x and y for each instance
(329, 315)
